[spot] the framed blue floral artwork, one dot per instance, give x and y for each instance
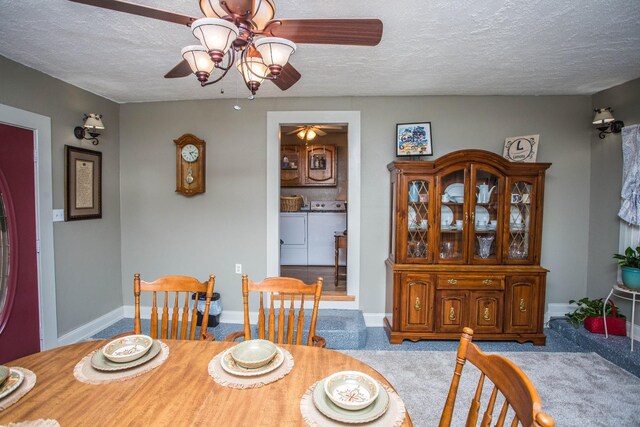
(414, 139)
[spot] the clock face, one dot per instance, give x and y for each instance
(190, 153)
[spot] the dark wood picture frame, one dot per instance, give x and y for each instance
(414, 139)
(83, 184)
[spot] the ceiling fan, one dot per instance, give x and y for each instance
(309, 132)
(244, 34)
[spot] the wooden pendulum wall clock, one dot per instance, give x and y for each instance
(190, 165)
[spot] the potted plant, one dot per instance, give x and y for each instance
(630, 266)
(589, 312)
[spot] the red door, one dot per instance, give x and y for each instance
(19, 309)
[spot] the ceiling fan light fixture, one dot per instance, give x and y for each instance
(275, 52)
(198, 59)
(253, 71)
(264, 11)
(216, 35)
(306, 134)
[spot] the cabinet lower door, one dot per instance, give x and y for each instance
(486, 311)
(523, 303)
(417, 298)
(451, 310)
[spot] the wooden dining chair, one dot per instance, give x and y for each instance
(286, 293)
(173, 289)
(520, 398)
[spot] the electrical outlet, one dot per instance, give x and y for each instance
(238, 268)
(58, 215)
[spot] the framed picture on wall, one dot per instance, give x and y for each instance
(414, 139)
(521, 148)
(83, 184)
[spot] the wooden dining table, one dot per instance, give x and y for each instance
(180, 392)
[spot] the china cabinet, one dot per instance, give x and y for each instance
(465, 249)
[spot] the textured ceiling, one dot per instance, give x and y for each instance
(437, 47)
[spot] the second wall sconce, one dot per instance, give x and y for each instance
(92, 126)
(605, 123)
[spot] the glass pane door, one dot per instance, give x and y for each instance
(520, 218)
(418, 220)
(485, 216)
(452, 216)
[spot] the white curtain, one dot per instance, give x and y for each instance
(630, 208)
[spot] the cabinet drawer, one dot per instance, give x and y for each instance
(468, 281)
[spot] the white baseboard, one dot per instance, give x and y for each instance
(557, 310)
(373, 320)
(226, 316)
(89, 329)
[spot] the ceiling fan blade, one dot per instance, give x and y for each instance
(355, 32)
(318, 131)
(181, 70)
(136, 9)
(294, 131)
(287, 78)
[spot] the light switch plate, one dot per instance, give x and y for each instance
(58, 215)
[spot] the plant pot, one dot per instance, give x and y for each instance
(631, 277)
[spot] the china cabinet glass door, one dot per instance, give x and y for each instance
(418, 219)
(453, 216)
(521, 221)
(485, 215)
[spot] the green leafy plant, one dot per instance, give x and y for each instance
(589, 308)
(630, 258)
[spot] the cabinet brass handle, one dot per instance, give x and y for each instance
(466, 217)
(452, 314)
(487, 282)
(523, 306)
(473, 216)
(417, 306)
(486, 314)
(452, 281)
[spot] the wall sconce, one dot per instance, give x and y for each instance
(92, 126)
(605, 123)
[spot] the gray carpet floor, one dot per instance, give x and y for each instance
(577, 389)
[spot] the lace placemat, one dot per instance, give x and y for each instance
(226, 379)
(34, 423)
(24, 388)
(394, 416)
(86, 373)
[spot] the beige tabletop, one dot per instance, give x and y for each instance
(179, 392)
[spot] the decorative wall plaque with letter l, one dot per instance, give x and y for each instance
(190, 165)
(521, 148)
(83, 184)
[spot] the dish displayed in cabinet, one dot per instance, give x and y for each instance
(482, 217)
(446, 216)
(455, 190)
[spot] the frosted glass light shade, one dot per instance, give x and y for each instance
(257, 67)
(198, 59)
(263, 11)
(603, 116)
(93, 122)
(216, 35)
(275, 50)
(307, 135)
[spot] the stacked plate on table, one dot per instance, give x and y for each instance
(252, 358)
(126, 352)
(10, 380)
(350, 397)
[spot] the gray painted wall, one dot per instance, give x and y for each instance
(606, 183)
(166, 233)
(87, 253)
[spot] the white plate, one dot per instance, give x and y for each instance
(11, 383)
(515, 216)
(446, 215)
(455, 190)
(229, 365)
(482, 215)
(365, 415)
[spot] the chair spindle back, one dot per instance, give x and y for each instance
(175, 293)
